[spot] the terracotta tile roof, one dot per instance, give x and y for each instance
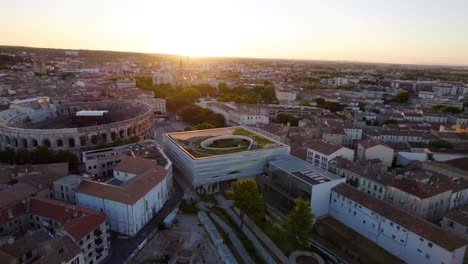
(6, 258)
(411, 222)
(81, 226)
(15, 193)
(370, 169)
(11, 212)
(369, 143)
(127, 193)
(77, 221)
(58, 250)
(418, 189)
(26, 243)
(460, 163)
(134, 165)
(324, 147)
(459, 215)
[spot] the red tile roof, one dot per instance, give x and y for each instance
(77, 221)
(129, 192)
(369, 143)
(411, 222)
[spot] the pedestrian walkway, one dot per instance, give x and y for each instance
(234, 239)
(247, 231)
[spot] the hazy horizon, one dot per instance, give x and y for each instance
(395, 32)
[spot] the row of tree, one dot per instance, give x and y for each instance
(240, 94)
(202, 118)
(446, 109)
(119, 142)
(248, 199)
(40, 155)
(332, 106)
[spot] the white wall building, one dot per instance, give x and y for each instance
(408, 237)
(133, 203)
(319, 153)
(126, 83)
(374, 149)
(285, 95)
(163, 78)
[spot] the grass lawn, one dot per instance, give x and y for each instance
(261, 141)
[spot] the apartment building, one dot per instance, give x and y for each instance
(319, 153)
(368, 176)
(374, 149)
(410, 238)
(429, 201)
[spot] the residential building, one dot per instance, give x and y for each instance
(40, 247)
(125, 83)
(456, 222)
(86, 228)
(64, 188)
(238, 116)
(374, 149)
(319, 153)
(429, 201)
(163, 77)
(404, 235)
(158, 104)
(368, 176)
(285, 95)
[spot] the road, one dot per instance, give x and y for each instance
(121, 249)
(172, 125)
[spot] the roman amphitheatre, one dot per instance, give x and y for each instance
(74, 126)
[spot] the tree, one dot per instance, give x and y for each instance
(446, 109)
(304, 103)
(299, 221)
(248, 199)
(390, 121)
(200, 127)
(222, 87)
(441, 143)
(402, 97)
(319, 100)
(285, 118)
(362, 106)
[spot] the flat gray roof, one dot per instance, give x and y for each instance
(304, 170)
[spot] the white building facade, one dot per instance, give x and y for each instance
(410, 238)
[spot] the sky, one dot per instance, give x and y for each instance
(392, 31)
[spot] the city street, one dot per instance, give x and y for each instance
(171, 125)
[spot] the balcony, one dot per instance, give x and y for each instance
(97, 232)
(99, 250)
(98, 241)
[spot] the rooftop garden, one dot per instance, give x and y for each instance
(193, 145)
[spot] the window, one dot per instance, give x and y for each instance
(391, 224)
(428, 256)
(450, 224)
(429, 244)
(421, 239)
(393, 236)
